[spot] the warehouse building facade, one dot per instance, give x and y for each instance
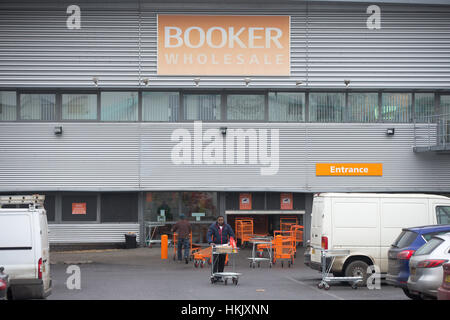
(128, 113)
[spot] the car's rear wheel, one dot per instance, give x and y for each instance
(411, 296)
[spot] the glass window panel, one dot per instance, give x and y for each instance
(79, 106)
(326, 107)
(160, 106)
(158, 204)
(362, 107)
(445, 105)
(200, 202)
(119, 106)
(245, 107)
(8, 106)
(444, 120)
(79, 207)
(396, 107)
(424, 107)
(201, 106)
(37, 106)
(287, 106)
(119, 207)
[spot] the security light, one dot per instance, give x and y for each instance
(347, 82)
(390, 131)
(58, 130)
(298, 83)
(145, 81)
(95, 80)
(223, 130)
(197, 81)
(247, 81)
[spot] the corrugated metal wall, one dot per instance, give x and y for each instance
(329, 43)
(131, 157)
(87, 156)
(91, 233)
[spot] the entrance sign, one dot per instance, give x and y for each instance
(223, 45)
(349, 169)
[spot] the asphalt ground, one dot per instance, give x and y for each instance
(140, 274)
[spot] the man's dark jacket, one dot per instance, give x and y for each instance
(215, 235)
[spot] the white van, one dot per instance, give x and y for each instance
(366, 224)
(24, 247)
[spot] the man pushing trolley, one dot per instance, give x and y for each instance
(220, 236)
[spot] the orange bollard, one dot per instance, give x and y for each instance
(164, 246)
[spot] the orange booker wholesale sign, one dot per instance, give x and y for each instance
(349, 169)
(223, 45)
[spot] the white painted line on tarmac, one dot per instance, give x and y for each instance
(316, 289)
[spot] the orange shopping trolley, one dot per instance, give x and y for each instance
(243, 230)
(283, 247)
(287, 222)
(203, 257)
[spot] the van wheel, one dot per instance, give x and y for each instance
(412, 296)
(357, 268)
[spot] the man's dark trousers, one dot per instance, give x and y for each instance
(219, 262)
(186, 244)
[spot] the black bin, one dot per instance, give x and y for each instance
(130, 241)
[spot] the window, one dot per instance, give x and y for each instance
(79, 208)
(286, 106)
(429, 236)
(200, 202)
(445, 106)
(429, 247)
(444, 120)
(49, 205)
(443, 214)
(201, 106)
(362, 107)
(119, 106)
(326, 107)
(241, 107)
(396, 107)
(161, 205)
(8, 106)
(37, 107)
(160, 106)
(424, 107)
(405, 239)
(119, 207)
(79, 107)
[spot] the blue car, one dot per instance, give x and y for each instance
(403, 248)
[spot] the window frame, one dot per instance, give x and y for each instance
(138, 106)
(57, 116)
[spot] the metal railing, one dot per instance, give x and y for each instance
(432, 132)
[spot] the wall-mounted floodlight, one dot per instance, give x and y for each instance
(197, 81)
(95, 81)
(58, 130)
(145, 81)
(390, 131)
(298, 83)
(347, 82)
(223, 130)
(247, 81)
